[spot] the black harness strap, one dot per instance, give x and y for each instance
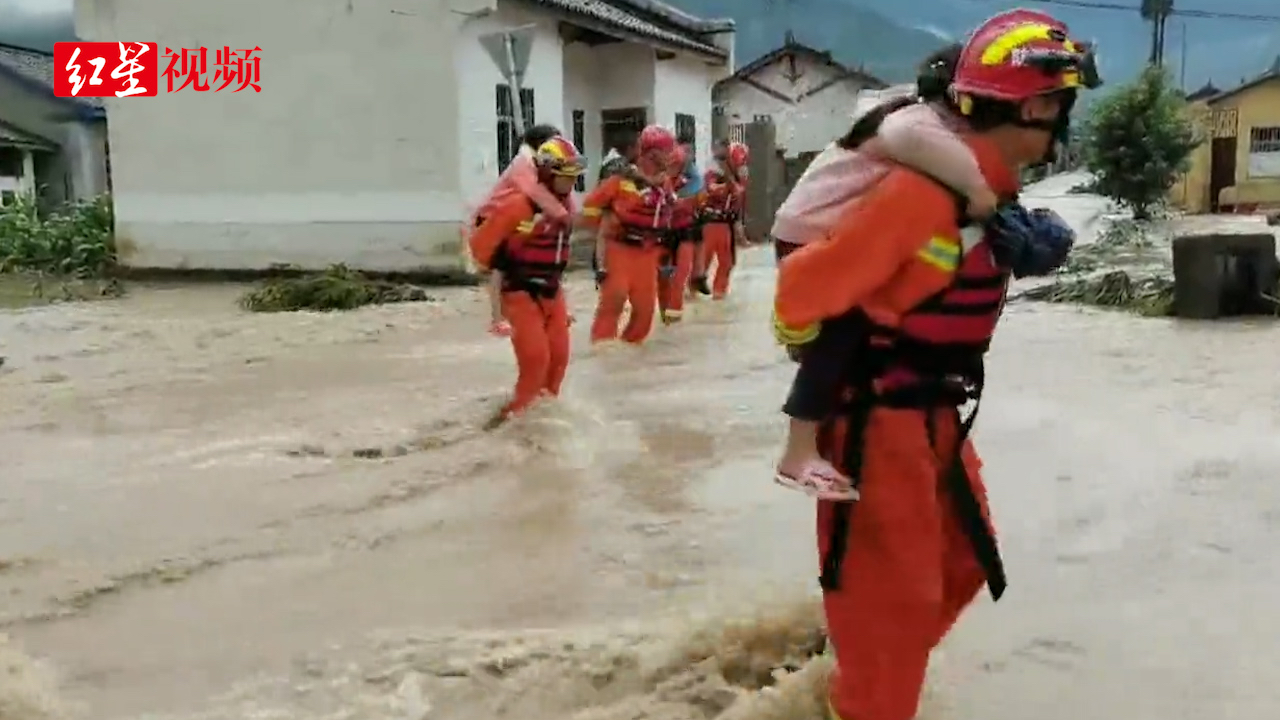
(927, 396)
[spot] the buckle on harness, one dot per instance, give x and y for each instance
(538, 288)
(931, 394)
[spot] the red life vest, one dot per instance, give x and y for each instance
(643, 212)
(721, 203)
(941, 342)
(535, 257)
(684, 213)
(934, 359)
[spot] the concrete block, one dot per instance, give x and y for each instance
(1224, 275)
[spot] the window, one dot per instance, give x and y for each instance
(508, 136)
(1264, 139)
(687, 131)
(1264, 152)
(579, 140)
(10, 162)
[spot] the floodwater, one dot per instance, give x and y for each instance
(210, 514)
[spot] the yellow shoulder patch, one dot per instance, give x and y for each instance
(941, 253)
(628, 186)
(526, 227)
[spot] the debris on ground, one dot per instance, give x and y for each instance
(1127, 267)
(337, 288)
(1149, 296)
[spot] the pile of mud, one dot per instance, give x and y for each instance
(337, 288)
(760, 669)
(27, 689)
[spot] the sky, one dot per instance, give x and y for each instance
(35, 23)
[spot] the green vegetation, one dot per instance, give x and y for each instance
(1138, 141)
(61, 255)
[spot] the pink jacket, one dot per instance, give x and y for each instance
(921, 136)
(521, 176)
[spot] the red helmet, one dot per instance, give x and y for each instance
(658, 150)
(680, 156)
(737, 155)
(656, 138)
(1020, 54)
(559, 157)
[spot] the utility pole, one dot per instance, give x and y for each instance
(1158, 12)
(1182, 58)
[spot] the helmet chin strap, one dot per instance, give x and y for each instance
(1059, 130)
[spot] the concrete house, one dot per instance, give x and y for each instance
(1237, 167)
(380, 123)
(54, 148)
(809, 96)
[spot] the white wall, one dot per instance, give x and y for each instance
(626, 76)
(582, 92)
(349, 153)
(683, 85)
(479, 77)
(374, 135)
(806, 124)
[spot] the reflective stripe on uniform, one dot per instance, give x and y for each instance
(942, 253)
(786, 335)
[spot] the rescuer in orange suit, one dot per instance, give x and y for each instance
(677, 266)
(724, 196)
(919, 300)
(531, 250)
(628, 216)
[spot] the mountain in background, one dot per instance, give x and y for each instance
(889, 37)
(855, 35)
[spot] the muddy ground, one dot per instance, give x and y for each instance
(211, 514)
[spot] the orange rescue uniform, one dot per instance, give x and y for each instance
(680, 249)
(722, 204)
(532, 253)
(638, 217)
(908, 562)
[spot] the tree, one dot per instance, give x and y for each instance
(1138, 141)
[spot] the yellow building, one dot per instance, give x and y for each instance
(1237, 168)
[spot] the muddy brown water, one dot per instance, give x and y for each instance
(206, 513)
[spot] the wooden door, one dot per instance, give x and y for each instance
(1222, 153)
(1222, 168)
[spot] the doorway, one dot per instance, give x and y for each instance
(1222, 168)
(617, 124)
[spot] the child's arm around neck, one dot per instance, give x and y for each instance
(919, 136)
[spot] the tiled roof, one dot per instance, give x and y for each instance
(10, 135)
(618, 13)
(1261, 79)
(794, 48)
(35, 66)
